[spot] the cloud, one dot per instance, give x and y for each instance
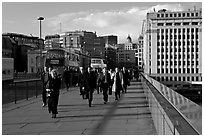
(118, 22)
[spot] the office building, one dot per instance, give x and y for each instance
(173, 45)
(77, 40)
(52, 41)
(126, 54)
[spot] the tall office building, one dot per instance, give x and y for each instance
(173, 45)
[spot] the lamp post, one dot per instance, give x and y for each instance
(40, 19)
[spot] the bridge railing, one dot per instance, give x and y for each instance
(26, 87)
(20, 89)
(171, 112)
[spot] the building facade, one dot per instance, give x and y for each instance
(23, 43)
(78, 40)
(52, 41)
(173, 45)
(126, 54)
(110, 56)
(139, 53)
(111, 39)
(98, 50)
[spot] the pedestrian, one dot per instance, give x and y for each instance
(89, 84)
(44, 79)
(80, 82)
(53, 87)
(117, 84)
(136, 74)
(66, 77)
(98, 81)
(105, 84)
(126, 79)
(112, 80)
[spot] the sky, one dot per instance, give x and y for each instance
(104, 18)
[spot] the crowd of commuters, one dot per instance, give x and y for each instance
(102, 80)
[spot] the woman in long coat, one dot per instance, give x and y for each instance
(117, 83)
(53, 87)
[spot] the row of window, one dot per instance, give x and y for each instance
(188, 49)
(174, 37)
(196, 78)
(25, 41)
(178, 24)
(185, 70)
(176, 15)
(188, 43)
(178, 30)
(179, 62)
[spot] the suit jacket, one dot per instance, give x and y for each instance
(89, 81)
(126, 77)
(80, 79)
(54, 86)
(105, 80)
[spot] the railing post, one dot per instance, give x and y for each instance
(163, 124)
(36, 90)
(15, 93)
(27, 90)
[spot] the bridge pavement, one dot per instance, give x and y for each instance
(128, 116)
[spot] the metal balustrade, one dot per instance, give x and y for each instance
(172, 113)
(20, 89)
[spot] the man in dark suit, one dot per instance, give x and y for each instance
(89, 84)
(105, 84)
(126, 78)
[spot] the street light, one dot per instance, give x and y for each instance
(40, 19)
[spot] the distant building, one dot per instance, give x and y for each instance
(129, 45)
(23, 43)
(110, 56)
(36, 60)
(52, 41)
(8, 45)
(98, 50)
(111, 39)
(126, 58)
(126, 54)
(78, 40)
(139, 53)
(173, 45)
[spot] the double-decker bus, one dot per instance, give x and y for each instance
(59, 58)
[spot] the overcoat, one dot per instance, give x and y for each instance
(115, 86)
(89, 81)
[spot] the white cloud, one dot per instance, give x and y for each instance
(120, 23)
